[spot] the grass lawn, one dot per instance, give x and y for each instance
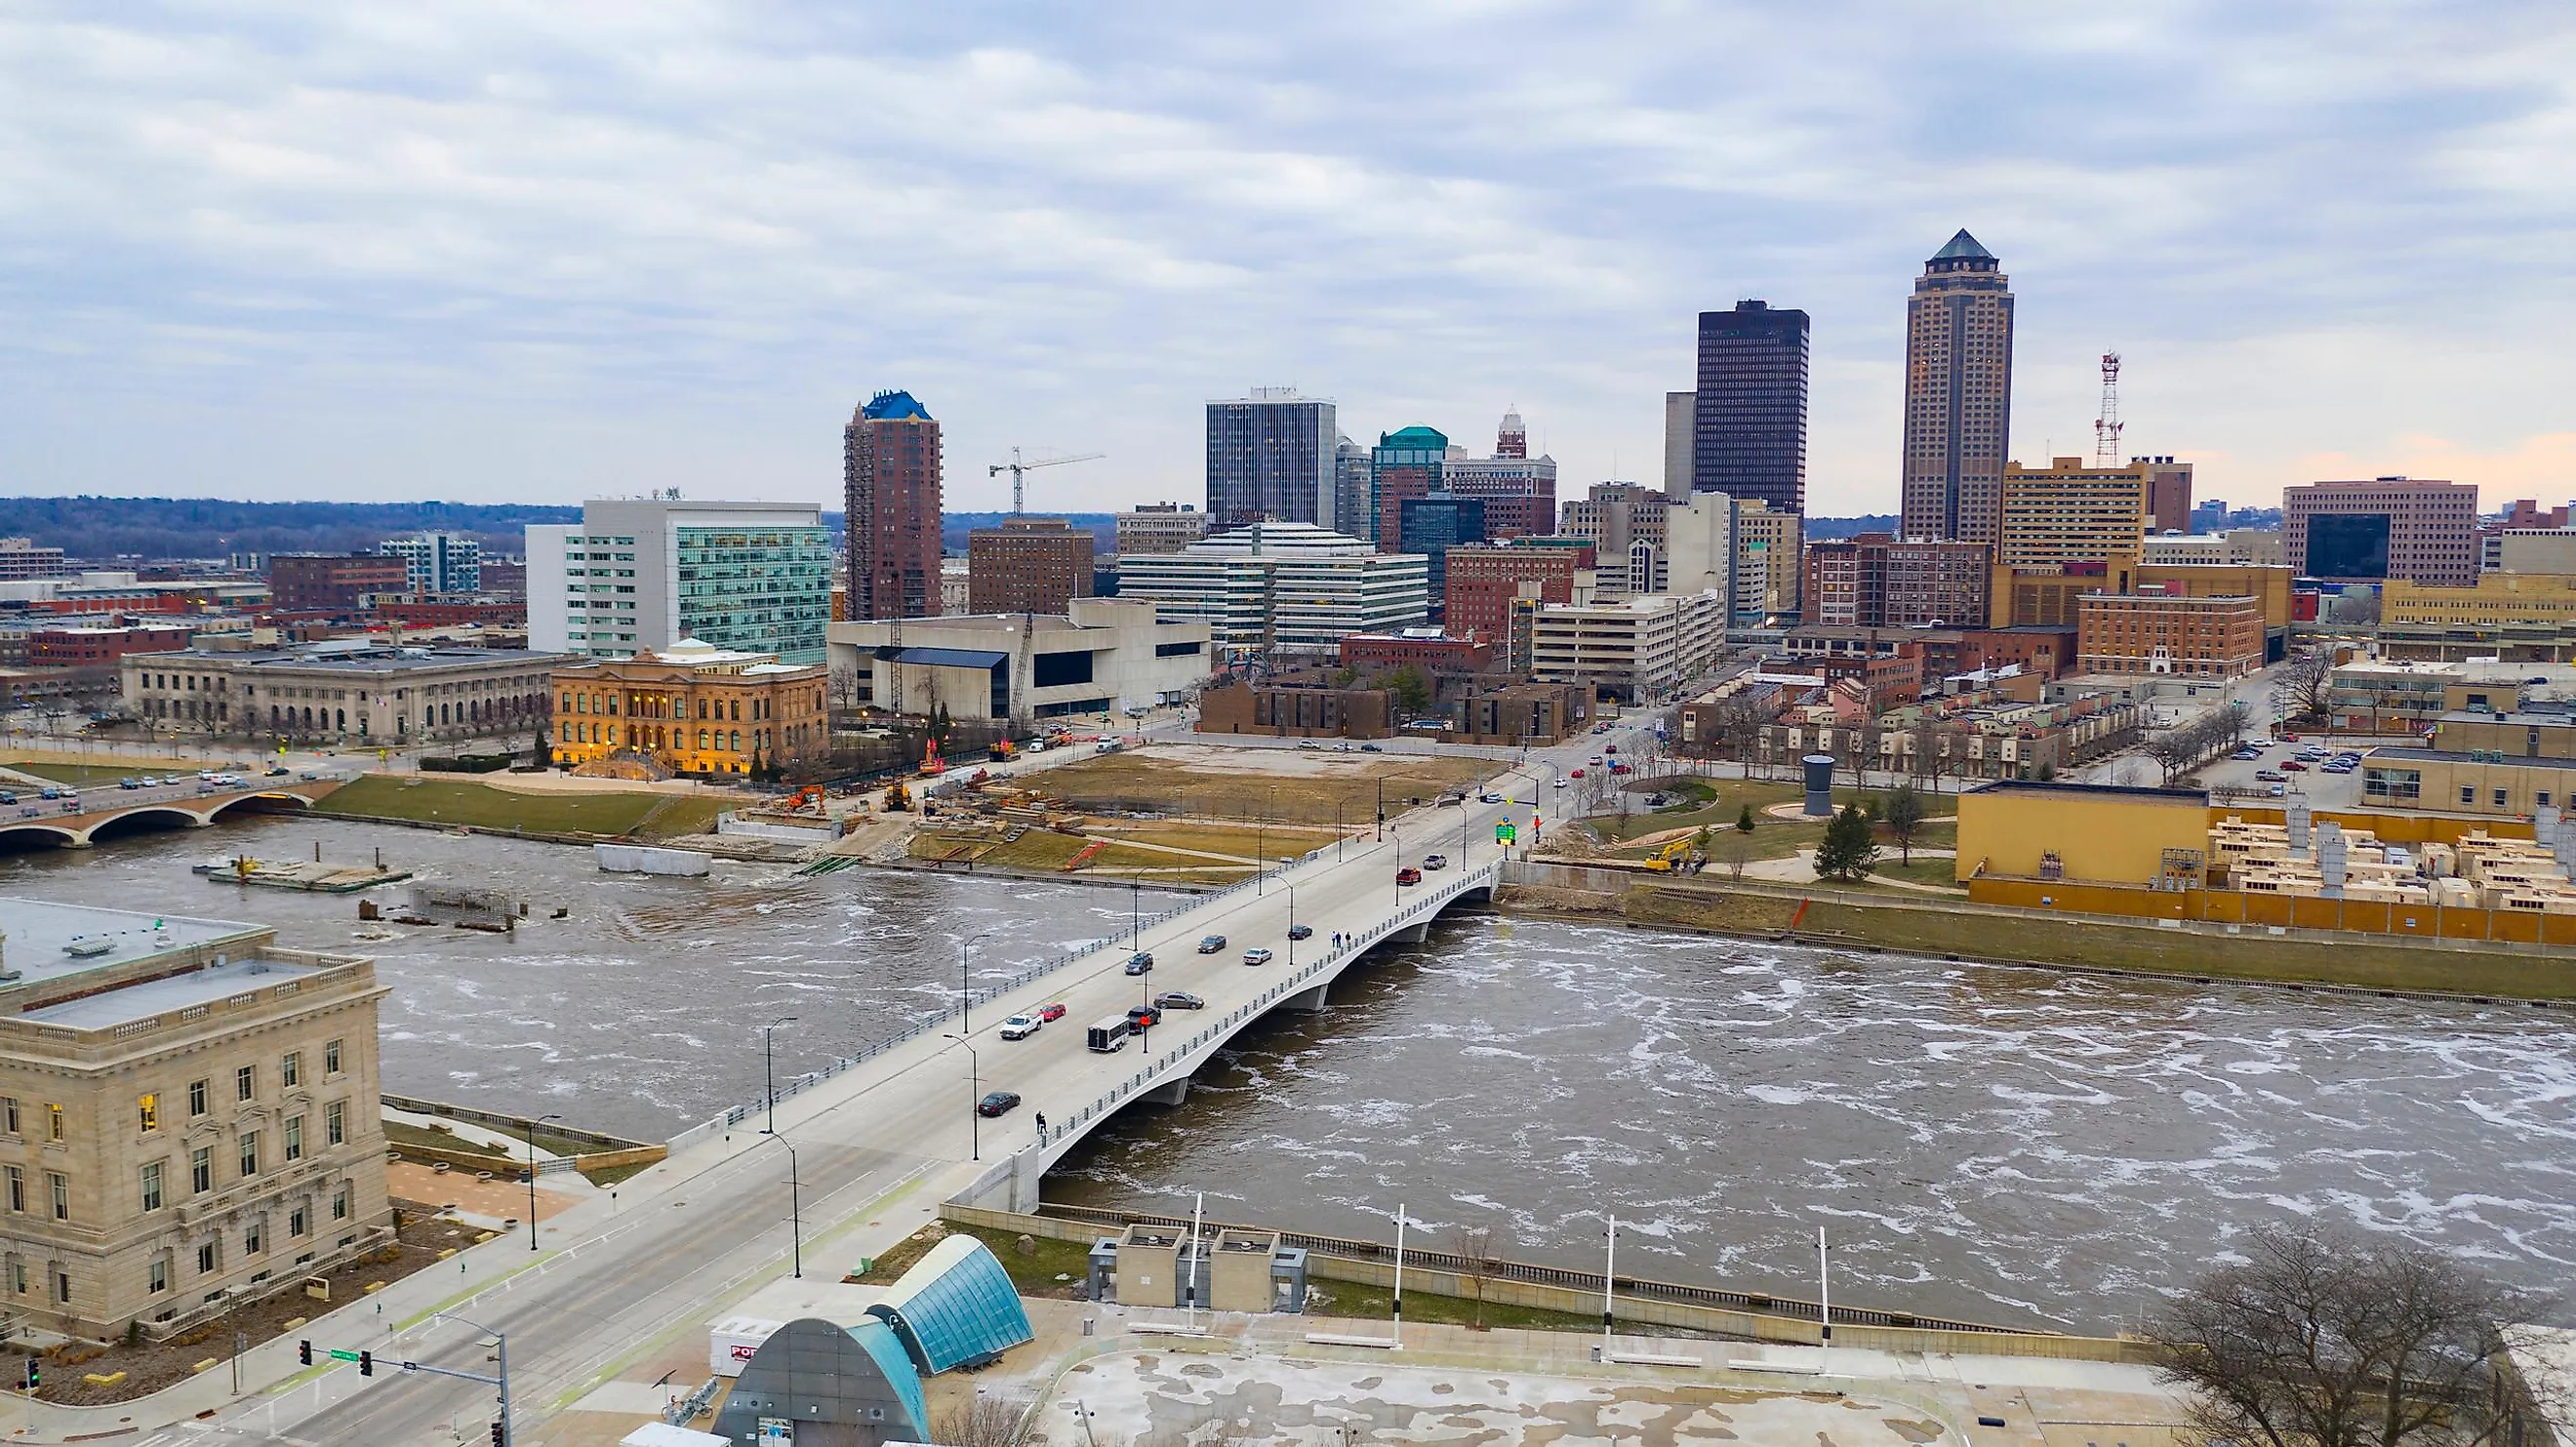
(683, 814)
(1043, 850)
(88, 776)
(1034, 1274)
(1772, 838)
(1941, 871)
(443, 801)
(404, 1133)
(1144, 782)
(1231, 839)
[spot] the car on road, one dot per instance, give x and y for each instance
(1594, 761)
(1489, 798)
(1345, 747)
(1561, 783)
(1178, 1000)
(1408, 875)
(1051, 1010)
(1143, 1017)
(1574, 774)
(1310, 744)
(49, 794)
(129, 783)
(1435, 861)
(1210, 944)
(1021, 1027)
(1609, 748)
(2267, 776)
(1141, 962)
(1371, 749)
(1454, 798)
(1618, 769)
(1301, 931)
(999, 1102)
(277, 771)
(1256, 956)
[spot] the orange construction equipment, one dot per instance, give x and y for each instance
(931, 763)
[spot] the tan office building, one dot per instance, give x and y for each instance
(2069, 512)
(186, 1110)
(692, 708)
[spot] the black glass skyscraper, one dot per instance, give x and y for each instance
(1749, 420)
(1270, 455)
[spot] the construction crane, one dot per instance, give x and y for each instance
(1015, 467)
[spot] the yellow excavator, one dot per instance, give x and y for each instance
(1665, 859)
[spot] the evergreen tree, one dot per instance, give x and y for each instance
(1848, 850)
(1904, 817)
(1744, 820)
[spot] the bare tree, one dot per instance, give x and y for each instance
(981, 1421)
(2336, 1340)
(2355, 606)
(2304, 688)
(1738, 851)
(1476, 1249)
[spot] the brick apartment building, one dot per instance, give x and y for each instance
(1028, 565)
(337, 584)
(2158, 633)
(1482, 582)
(1879, 581)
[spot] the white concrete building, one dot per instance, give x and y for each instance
(438, 562)
(2237, 547)
(1160, 527)
(1282, 587)
(1103, 655)
(644, 573)
(1641, 648)
(1700, 545)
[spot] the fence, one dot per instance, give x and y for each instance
(735, 1115)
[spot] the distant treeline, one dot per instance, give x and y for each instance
(954, 526)
(100, 528)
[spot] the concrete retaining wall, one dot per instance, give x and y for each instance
(644, 859)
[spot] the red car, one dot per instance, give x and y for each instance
(1051, 1011)
(1609, 748)
(1408, 875)
(1576, 774)
(2294, 766)
(1621, 769)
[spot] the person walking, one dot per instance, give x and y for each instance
(1042, 1125)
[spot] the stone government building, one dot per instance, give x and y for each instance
(186, 1110)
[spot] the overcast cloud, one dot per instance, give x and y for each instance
(500, 252)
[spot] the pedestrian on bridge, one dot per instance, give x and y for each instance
(1041, 1125)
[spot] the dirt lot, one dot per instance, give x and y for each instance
(1208, 782)
(149, 1368)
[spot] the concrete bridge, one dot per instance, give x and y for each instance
(79, 821)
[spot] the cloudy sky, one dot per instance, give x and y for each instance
(498, 252)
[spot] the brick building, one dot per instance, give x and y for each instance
(890, 492)
(1431, 652)
(89, 645)
(1876, 580)
(2163, 633)
(1296, 706)
(1482, 582)
(2391, 527)
(337, 584)
(1028, 565)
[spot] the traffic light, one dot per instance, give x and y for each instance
(500, 1434)
(304, 1352)
(35, 1373)
(366, 1364)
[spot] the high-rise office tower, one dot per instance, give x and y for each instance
(1958, 395)
(1405, 463)
(1270, 455)
(1749, 416)
(641, 574)
(1353, 477)
(890, 481)
(1518, 490)
(1679, 410)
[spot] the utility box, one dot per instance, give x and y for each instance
(1149, 1272)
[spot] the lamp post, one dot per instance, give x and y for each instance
(974, 1099)
(1340, 839)
(965, 987)
(768, 1072)
(1381, 808)
(1609, 1276)
(532, 1176)
(1292, 929)
(795, 1208)
(1401, 1221)
(1824, 1299)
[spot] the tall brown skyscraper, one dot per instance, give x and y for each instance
(890, 490)
(1958, 395)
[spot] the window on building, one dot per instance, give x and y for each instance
(340, 1204)
(9, 1113)
(245, 1082)
(17, 1189)
(54, 1122)
(152, 1186)
(18, 1277)
(147, 1112)
(335, 1124)
(2499, 798)
(62, 1188)
(201, 1169)
(196, 1098)
(290, 1068)
(250, 1153)
(209, 1257)
(156, 1277)
(251, 1243)
(331, 1058)
(295, 1137)
(62, 1288)
(2468, 793)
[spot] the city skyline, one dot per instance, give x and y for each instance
(494, 258)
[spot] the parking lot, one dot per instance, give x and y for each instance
(2323, 790)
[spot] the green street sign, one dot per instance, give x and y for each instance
(338, 1355)
(1506, 833)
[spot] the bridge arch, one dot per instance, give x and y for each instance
(281, 801)
(15, 838)
(142, 819)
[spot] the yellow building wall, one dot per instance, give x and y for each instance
(2497, 599)
(2105, 836)
(2268, 586)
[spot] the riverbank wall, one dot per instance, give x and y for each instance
(1958, 929)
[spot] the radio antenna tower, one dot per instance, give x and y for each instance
(2106, 427)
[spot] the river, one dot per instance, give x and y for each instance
(2000, 1144)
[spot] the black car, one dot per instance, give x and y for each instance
(1000, 1102)
(1140, 962)
(1178, 1000)
(1301, 931)
(1143, 1017)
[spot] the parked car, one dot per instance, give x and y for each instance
(1301, 931)
(999, 1102)
(1141, 962)
(1210, 944)
(1021, 1027)
(1408, 875)
(1617, 769)
(2267, 776)
(2246, 755)
(1371, 749)
(1435, 861)
(2293, 765)
(1256, 956)
(1178, 1000)
(1051, 1010)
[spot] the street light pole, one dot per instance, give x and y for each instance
(974, 1097)
(1609, 1275)
(795, 1208)
(965, 986)
(769, 1074)
(532, 1176)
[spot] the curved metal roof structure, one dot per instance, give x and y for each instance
(955, 1307)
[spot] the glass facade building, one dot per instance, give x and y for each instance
(765, 590)
(1749, 416)
(1270, 456)
(956, 1307)
(815, 1382)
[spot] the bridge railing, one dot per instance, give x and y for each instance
(983, 994)
(1297, 982)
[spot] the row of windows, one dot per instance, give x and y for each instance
(210, 1254)
(247, 1154)
(147, 1109)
